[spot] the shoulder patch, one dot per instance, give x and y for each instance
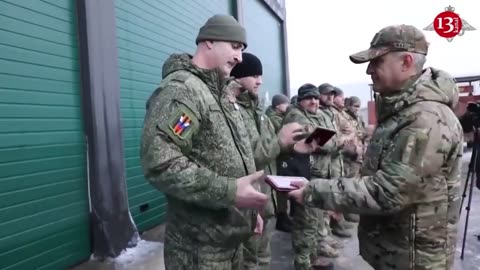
(180, 125)
(181, 122)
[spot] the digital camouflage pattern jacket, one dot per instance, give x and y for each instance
(264, 141)
(194, 146)
(275, 117)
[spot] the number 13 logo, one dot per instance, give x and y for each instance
(446, 21)
(447, 24)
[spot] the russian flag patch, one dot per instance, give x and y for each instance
(182, 124)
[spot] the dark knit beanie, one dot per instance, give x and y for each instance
(279, 99)
(326, 88)
(307, 90)
(222, 28)
(250, 66)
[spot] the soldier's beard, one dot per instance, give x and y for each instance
(324, 103)
(253, 94)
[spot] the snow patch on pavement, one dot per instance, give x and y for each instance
(144, 249)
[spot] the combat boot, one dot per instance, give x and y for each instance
(318, 263)
(341, 228)
(333, 242)
(326, 250)
(322, 264)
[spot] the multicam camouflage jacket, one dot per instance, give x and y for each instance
(341, 118)
(347, 131)
(335, 144)
(194, 146)
(409, 192)
(361, 135)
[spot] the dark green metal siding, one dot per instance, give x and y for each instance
(265, 40)
(147, 33)
(43, 185)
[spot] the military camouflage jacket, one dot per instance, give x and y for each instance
(275, 117)
(261, 132)
(361, 134)
(346, 131)
(194, 146)
(409, 192)
(341, 119)
(264, 141)
(336, 148)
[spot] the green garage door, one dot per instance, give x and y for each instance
(147, 33)
(265, 39)
(43, 185)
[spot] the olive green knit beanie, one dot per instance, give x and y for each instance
(222, 28)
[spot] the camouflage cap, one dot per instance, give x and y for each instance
(326, 88)
(354, 100)
(279, 99)
(306, 91)
(337, 91)
(394, 38)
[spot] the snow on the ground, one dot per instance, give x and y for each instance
(143, 249)
(145, 255)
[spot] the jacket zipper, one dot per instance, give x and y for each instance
(413, 225)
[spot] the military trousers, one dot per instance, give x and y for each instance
(323, 225)
(193, 259)
(323, 217)
(305, 235)
(257, 253)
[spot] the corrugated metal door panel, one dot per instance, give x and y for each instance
(43, 184)
(265, 40)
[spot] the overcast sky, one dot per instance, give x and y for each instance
(322, 34)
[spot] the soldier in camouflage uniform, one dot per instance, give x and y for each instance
(306, 220)
(408, 195)
(248, 74)
(276, 112)
(346, 128)
(337, 145)
(265, 145)
(353, 162)
(335, 168)
(195, 149)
